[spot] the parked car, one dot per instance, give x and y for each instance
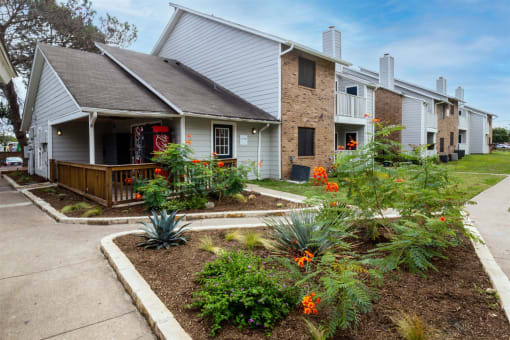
(502, 146)
(13, 161)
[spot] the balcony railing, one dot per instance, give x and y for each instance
(350, 106)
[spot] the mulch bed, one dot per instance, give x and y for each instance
(23, 178)
(451, 301)
(59, 197)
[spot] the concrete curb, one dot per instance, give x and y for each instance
(16, 186)
(59, 217)
(499, 280)
(160, 319)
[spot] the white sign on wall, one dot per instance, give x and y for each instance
(243, 139)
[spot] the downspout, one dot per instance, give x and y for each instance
(287, 50)
(258, 149)
(92, 146)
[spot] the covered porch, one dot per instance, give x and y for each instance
(351, 137)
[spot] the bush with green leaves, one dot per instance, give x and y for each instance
(242, 288)
(163, 232)
(345, 289)
(155, 192)
(301, 231)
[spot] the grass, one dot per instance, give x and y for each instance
(497, 162)
(411, 327)
(74, 207)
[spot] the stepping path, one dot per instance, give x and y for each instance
(491, 217)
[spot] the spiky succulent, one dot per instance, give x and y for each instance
(163, 232)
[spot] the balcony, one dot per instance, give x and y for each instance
(430, 120)
(350, 106)
(463, 122)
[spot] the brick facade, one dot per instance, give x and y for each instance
(445, 127)
(388, 108)
(307, 107)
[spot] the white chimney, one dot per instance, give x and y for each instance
(387, 71)
(332, 42)
(459, 93)
(441, 85)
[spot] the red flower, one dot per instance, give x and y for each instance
(188, 136)
(214, 154)
(128, 181)
(398, 180)
(332, 187)
(221, 164)
(204, 163)
(189, 142)
(138, 196)
(158, 171)
(366, 115)
(376, 120)
(442, 219)
(195, 161)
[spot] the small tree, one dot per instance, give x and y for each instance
(500, 135)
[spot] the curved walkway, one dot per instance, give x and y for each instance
(491, 217)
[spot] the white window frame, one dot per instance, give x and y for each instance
(234, 135)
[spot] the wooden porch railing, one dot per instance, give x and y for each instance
(107, 185)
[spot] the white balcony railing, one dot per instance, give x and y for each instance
(463, 122)
(430, 120)
(350, 106)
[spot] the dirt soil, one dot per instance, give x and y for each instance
(452, 301)
(23, 178)
(60, 197)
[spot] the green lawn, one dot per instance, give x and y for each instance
(497, 162)
(473, 184)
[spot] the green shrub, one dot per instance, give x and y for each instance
(97, 211)
(195, 202)
(207, 244)
(240, 288)
(75, 207)
(163, 232)
(299, 232)
(344, 291)
(155, 192)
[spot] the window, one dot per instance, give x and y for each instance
(441, 111)
(306, 137)
(352, 90)
(460, 113)
(223, 140)
(306, 73)
(430, 141)
(441, 144)
(460, 138)
(447, 110)
(451, 138)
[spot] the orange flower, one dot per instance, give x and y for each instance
(310, 255)
(442, 219)
(196, 161)
(295, 241)
(318, 300)
(333, 204)
(313, 294)
(188, 136)
(138, 196)
(158, 171)
(183, 176)
(399, 180)
(189, 142)
(221, 164)
(259, 164)
(128, 180)
(308, 311)
(332, 187)
(376, 120)
(214, 154)
(315, 311)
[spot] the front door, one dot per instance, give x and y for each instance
(351, 140)
(222, 140)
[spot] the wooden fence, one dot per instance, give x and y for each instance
(106, 184)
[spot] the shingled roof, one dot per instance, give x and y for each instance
(95, 81)
(190, 91)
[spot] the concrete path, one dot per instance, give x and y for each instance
(491, 217)
(55, 283)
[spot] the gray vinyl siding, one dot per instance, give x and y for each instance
(413, 120)
(200, 131)
(477, 138)
(52, 102)
(73, 144)
(343, 83)
(244, 63)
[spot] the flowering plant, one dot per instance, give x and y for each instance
(320, 176)
(240, 287)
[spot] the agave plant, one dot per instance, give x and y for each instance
(299, 232)
(163, 232)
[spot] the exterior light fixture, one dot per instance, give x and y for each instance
(254, 131)
(59, 132)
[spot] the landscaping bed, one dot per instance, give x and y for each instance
(452, 301)
(23, 178)
(59, 198)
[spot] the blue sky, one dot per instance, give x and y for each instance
(466, 41)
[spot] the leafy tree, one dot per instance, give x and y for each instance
(500, 135)
(23, 23)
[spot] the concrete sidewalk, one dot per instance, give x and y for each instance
(492, 219)
(55, 283)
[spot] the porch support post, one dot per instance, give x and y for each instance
(182, 129)
(92, 146)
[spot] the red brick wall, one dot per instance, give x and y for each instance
(306, 107)
(388, 108)
(445, 126)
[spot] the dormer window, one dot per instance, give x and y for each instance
(306, 73)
